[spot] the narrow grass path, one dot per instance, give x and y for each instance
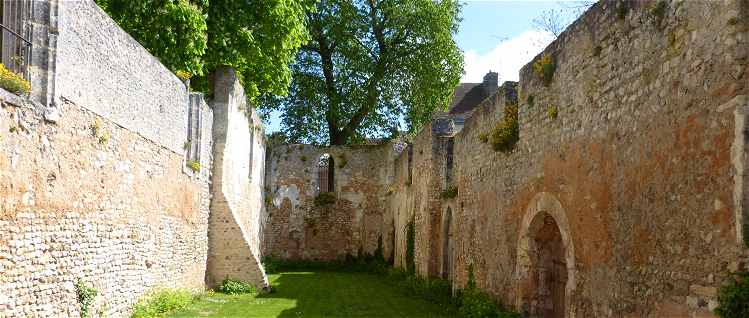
(318, 294)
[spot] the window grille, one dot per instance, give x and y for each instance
(16, 35)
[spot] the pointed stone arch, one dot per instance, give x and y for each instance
(538, 248)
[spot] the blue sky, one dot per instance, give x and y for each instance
(494, 35)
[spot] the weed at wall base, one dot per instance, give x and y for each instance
(86, 297)
(233, 287)
(733, 297)
(161, 302)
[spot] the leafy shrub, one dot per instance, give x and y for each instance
(734, 297)
(484, 137)
(449, 193)
(13, 82)
(324, 198)
(193, 165)
(232, 287)
(476, 304)
(161, 302)
(544, 68)
(86, 297)
(506, 134)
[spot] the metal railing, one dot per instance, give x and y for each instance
(16, 35)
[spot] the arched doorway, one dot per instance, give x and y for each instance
(446, 245)
(545, 264)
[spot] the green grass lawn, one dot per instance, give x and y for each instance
(319, 294)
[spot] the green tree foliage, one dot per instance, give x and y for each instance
(370, 65)
(172, 30)
(259, 38)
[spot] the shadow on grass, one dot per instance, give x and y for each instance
(340, 294)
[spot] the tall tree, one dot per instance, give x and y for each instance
(259, 38)
(371, 66)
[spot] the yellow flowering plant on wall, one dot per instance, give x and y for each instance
(544, 68)
(13, 82)
(506, 133)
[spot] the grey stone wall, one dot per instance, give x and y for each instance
(100, 67)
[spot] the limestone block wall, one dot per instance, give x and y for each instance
(298, 229)
(641, 171)
(237, 209)
(86, 199)
(100, 67)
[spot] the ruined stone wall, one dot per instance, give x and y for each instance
(85, 199)
(102, 68)
(237, 209)
(298, 229)
(641, 169)
(112, 188)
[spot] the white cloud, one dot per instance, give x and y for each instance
(506, 58)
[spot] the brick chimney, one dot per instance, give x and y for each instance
(491, 82)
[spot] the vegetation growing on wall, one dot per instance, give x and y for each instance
(193, 165)
(544, 68)
(552, 112)
(449, 193)
(13, 82)
(86, 297)
(506, 133)
(342, 160)
(734, 297)
(324, 198)
(657, 12)
(622, 8)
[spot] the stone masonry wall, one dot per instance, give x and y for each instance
(237, 209)
(115, 212)
(102, 190)
(298, 229)
(641, 170)
(102, 68)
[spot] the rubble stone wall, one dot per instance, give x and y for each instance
(353, 224)
(85, 199)
(640, 169)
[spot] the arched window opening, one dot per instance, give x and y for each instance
(325, 176)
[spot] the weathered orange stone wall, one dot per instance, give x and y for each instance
(643, 159)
